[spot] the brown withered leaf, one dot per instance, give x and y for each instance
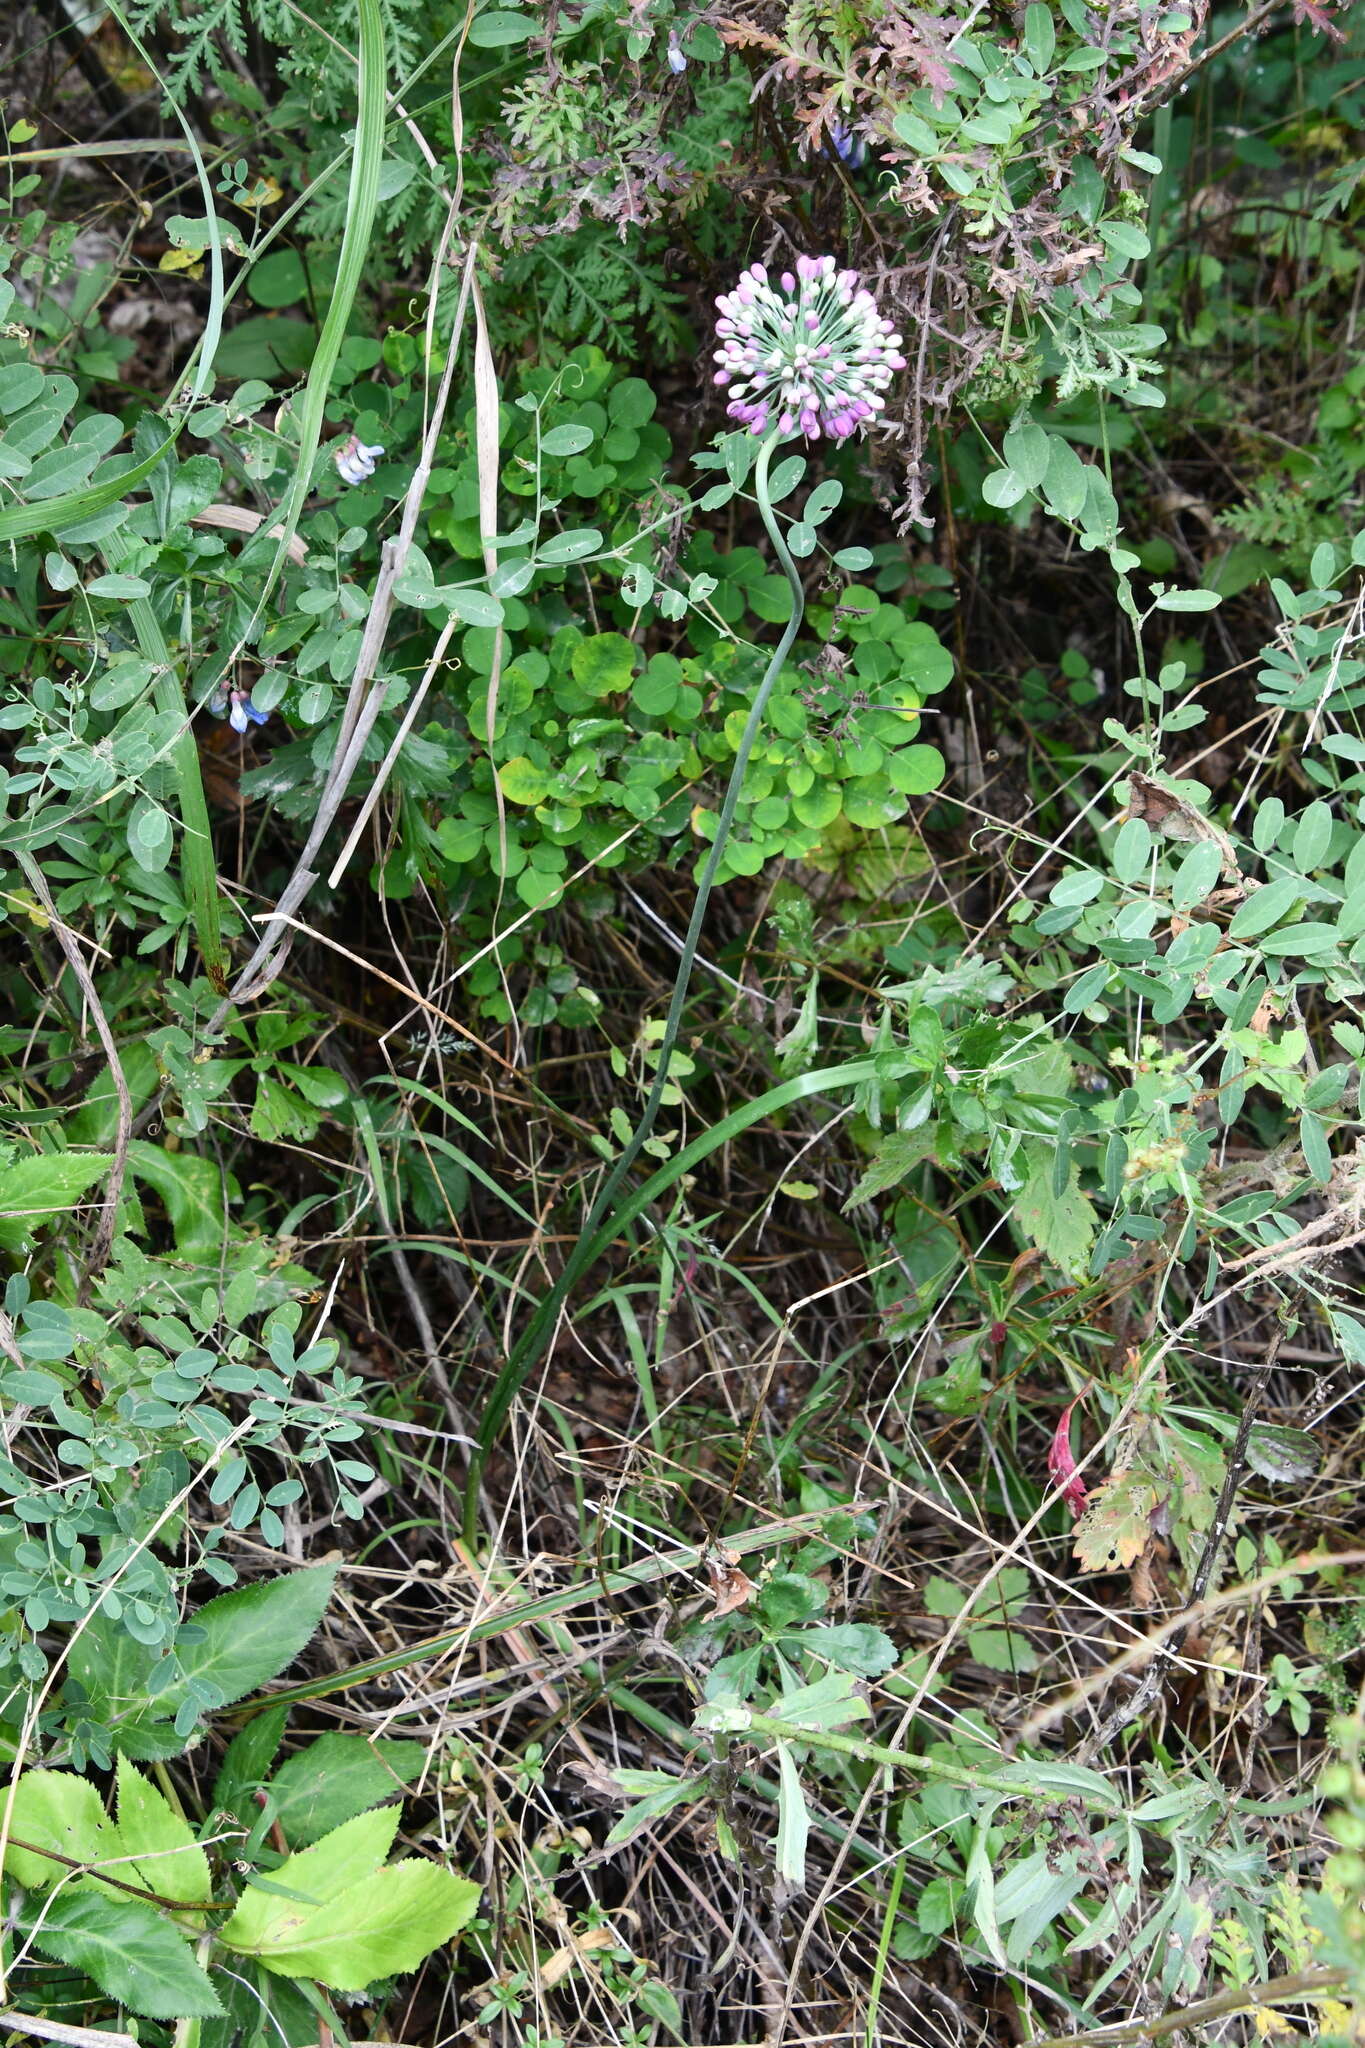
(1167, 812)
(1114, 1530)
(730, 1587)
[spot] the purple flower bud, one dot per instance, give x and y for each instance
(677, 63)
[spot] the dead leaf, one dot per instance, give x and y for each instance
(1167, 812)
(558, 1966)
(1116, 1527)
(730, 1587)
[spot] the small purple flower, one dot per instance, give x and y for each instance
(677, 63)
(355, 462)
(243, 712)
(848, 145)
(812, 355)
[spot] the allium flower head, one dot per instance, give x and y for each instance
(811, 354)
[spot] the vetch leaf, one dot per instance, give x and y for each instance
(571, 439)
(1196, 876)
(1027, 448)
(499, 27)
(1065, 483)
(1040, 36)
(1003, 488)
(570, 547)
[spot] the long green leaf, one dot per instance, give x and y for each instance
(134, 1955)
(361, 201)
(827, 1081)
(50, 515)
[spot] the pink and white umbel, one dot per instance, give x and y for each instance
(808, 354)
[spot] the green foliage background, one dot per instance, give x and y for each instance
(916, 1512)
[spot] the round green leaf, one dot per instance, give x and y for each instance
(521, 782)
(570, 439)
(500, 26)
(604, 664)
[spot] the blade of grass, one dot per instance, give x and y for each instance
(362, 200)
(688, 1557)
(528, 1349)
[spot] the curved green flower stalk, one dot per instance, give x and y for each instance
(531, 1347)
(811, 355)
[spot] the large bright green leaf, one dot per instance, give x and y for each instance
(247, 1636)
(168, 1859)
(96, 1121)
(387, 1923)
(337, 1777)
(56, 1810)
(1062, 1226)
(191, 1190)
(266, 1921)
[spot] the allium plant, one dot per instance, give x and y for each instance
(818, 357)
(813, 353)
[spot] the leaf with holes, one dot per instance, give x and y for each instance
(1114, 1530)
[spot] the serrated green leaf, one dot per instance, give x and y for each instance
(191, 1191)
(247, 1762)
(1062, 1226)
(387, 1922)
(896, 1156)
(309, 1879)
(168, 1860)
(34, 1190)
(252, 1634)
(336, 1778)
(126, 1947)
